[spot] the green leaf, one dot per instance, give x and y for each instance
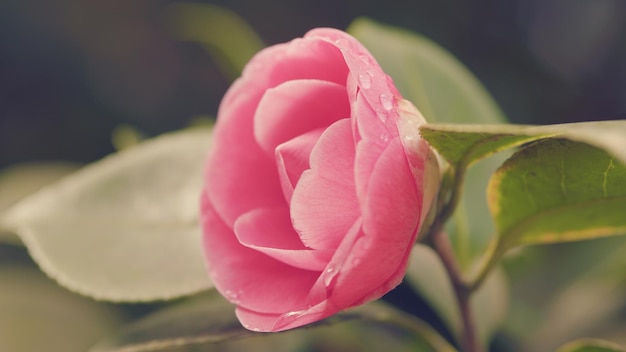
(441, 87)
(466, 145)
(591, 345)
(201, 320)
(557, 190)
(227, 37)
(124, 228)
(37, 315)
(21, 180)
(469, 143)
(429, 278)
(208, 323)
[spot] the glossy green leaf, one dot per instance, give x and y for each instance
(124, 228)
(429, 278)
(227, 37)
(466, 145)
(37, 315)
(21, 180)
(469, 143)
(208, 323)
(591, 345)
(557, 190)
(441, 87)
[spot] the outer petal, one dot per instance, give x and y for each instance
(394, 201)
(246, 277)
(296, 107)
(301, 58)
(373, 83)
(375, 260)
(228, 172)
(321, 300)
(279, 322)
(374, 140)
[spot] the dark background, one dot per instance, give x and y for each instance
(72, 70)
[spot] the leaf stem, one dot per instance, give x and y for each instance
(491, 257)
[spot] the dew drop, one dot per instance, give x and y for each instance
(365, 80)
(294, 314)
(382, 114)
(365, 59)
(386, 100)
(329, 276)
(341, 42)
(356, 261)
(232, 296)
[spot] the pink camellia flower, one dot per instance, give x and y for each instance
(316, 185)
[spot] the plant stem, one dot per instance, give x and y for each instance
(468, 340)
(441, 243)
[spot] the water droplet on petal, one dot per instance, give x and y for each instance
(356, 261)
(386, 100)
(294, 314)
(382, 114)
(365, 59)
(341, 42)
(233, 296)
(329, 276)
(365, 80)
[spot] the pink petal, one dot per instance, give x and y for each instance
(247, 277)
(324, 203)
(279, 322)
(292, 158)
(270, 231)
(295, 107)
(373, 261)
(228, 169)
(394, 201)
(302, 58)
(374, 140)
(374, 84)
(324, 287)
(333, 155)
(322, 210)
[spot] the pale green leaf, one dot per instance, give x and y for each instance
(557, 190)
(441, 87)
(37, 315)
(228, 38)
(591, 345)
(208, 323)
(124, 228)
(21, 180)
(429, 278)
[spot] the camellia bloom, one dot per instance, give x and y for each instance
(316, 185)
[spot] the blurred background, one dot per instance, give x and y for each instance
(71, 71)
